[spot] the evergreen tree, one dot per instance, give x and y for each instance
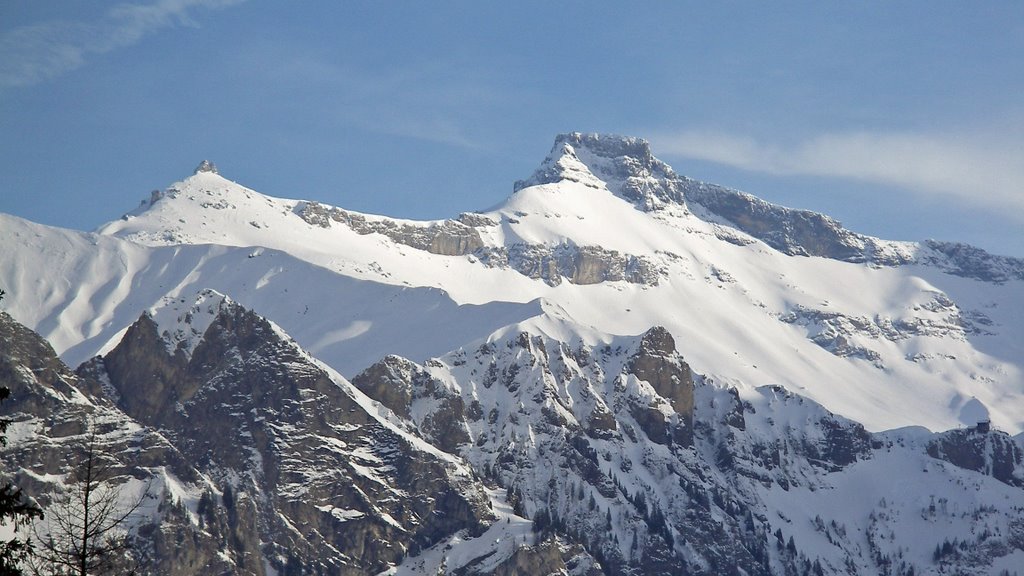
(541, 521)
(205, 508)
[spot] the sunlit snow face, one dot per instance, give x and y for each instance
(866, 340)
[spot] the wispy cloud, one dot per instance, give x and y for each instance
(434, 103)
(984, 168)
(36, 53)
(442, 102)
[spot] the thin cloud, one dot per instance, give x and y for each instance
(982, 169)
(33, 54)
(436, 102)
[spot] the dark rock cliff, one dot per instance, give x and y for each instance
(989, 452)
(314, 469)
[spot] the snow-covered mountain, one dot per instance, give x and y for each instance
(248, 454)
(602, 240)
(664, 375)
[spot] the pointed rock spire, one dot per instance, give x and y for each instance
(206, 166)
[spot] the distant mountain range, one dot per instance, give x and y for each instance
(618, 370)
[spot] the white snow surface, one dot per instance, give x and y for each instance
(897, 346)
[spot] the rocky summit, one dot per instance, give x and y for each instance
(619, 370)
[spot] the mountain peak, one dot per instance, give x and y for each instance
(183, 321)
(206, 166)
(608, 146)
(622, 164)
(562, 163)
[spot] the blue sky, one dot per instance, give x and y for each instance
(902, 119)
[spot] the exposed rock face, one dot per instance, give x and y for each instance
(206, 166)
(854, 336)
(269, 413)
(449, 238)
(970, 262)
(295, 475)
(396, 383)
(819, 440)
(30, 368)
(535, 405)
(625, 165)
(476, 220)
(297, 466)
(263, 461)
(793, 232)
(163, 377)
(658, 363)
(552, 264)
(540, 405)
(577, 264)
(548, 557)
(390, 383)
(629, 169)
(56, 414)
(807, 233)
(991, 453)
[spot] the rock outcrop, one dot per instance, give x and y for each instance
(398, 383)
(658, 363)
(576, 264)
(448, 238)
(625, 165)
(267, 462)
(989, 452)
(206, 166)
(58, 416)
(857, 336)
(301, 456)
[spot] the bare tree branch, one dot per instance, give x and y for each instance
(86, 532)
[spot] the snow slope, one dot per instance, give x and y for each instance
(92, 288)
